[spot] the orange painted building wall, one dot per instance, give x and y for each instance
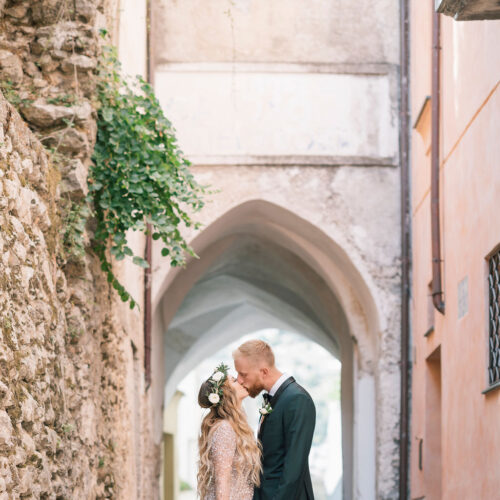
(455, 428)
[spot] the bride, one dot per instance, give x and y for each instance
(229, 455)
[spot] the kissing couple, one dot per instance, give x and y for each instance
(233, 465)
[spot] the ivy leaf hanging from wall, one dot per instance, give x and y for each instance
(139, 175)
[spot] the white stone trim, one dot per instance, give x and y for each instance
(292, 160)
(367, 69)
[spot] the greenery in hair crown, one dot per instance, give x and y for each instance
(219, 376)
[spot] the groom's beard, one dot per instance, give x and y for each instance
(254, 390)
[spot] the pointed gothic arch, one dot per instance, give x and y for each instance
(261, 265)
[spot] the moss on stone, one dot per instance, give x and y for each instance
(7, 333)
(53, 236)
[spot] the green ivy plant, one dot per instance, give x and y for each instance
(139, 175)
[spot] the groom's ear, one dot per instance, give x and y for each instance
(264, 370)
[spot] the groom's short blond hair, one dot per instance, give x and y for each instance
(257, 350)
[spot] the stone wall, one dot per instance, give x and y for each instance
(68, 378)
(59, 385)
(48, 54)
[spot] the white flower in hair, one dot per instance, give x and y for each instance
(218, 376)
(216, 381)
(214, 398)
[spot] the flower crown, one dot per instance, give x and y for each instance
(219, 376)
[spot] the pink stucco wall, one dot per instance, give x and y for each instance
(466, 419)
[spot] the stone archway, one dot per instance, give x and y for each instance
(261, 265)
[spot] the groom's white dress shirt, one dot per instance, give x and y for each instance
(273, 391)
(278, 383)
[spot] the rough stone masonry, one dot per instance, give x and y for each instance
(63, 414)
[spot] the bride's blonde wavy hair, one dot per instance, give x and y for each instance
(248, 450)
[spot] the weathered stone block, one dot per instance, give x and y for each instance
(5, 147)
(46, 12)
(72, 141)
(19, 251)
(80, 62)
(23, 205)
(39, 83)
(49, 416)
(35, 174)
(27, 166)
(49, 440)
(58, 55)
(40, 213)
(40, 312)
(27, 441)
(18, 229)
(41, 114)
(27, 30)
(31, 69)
(74, 182)
(48, 64)
(6, 477)
(86, 10)
(6, 431)
(11, 189)
(29, 409)
(17, 11)
(5, 396)
(10, 259)
(11, 67)
(47, 276)
(27, 481)
(6, 357)
(76, 324)
(28, 367)
(15, 163)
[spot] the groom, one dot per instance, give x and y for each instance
(286, 432)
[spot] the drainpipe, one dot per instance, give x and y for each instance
(149, 240)
(405, 251)
(437, 291)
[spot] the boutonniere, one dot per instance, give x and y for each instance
(266, 409)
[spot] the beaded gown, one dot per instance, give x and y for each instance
(226, 483)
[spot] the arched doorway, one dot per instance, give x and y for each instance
(262, 266)
(313, 366)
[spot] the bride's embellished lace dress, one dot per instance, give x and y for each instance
(226, 483)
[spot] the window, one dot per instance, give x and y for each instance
(494, 319)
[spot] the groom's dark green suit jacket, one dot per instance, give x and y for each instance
(286, 435)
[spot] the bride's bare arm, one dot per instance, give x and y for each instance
(223, 449)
